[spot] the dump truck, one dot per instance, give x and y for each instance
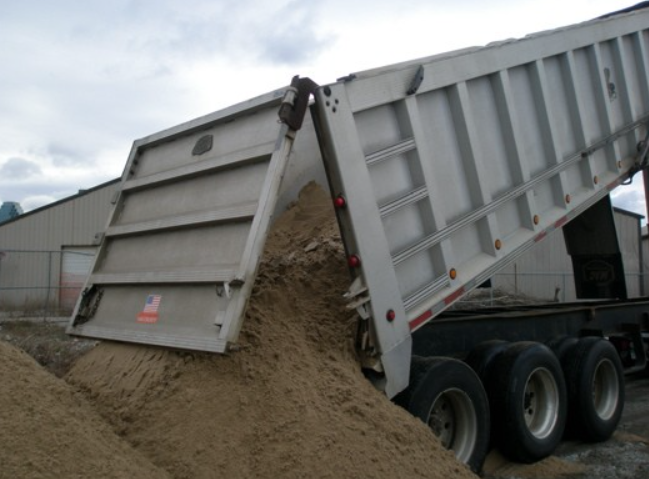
(442, 171)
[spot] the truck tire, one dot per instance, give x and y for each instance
(561, 345)
(527, 393)
(481, 357)
(448, 396)
(595, 381)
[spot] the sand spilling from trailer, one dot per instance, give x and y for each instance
(292, 403)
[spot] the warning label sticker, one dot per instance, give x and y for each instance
(150, 312)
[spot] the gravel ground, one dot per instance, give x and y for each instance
(45, 341)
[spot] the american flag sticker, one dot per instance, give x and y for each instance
(150, 312)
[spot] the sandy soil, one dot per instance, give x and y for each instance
(47, 430)
(292, 403)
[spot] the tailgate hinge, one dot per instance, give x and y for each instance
(90, 298)
(295, 101)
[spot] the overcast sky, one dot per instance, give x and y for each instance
(80, 80)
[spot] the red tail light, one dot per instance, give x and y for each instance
(354, 261)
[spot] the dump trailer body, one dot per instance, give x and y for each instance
(449, 167)
(443, 170)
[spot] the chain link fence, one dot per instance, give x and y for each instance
(36, 283)
(47, 283)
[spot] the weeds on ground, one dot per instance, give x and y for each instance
(46, 342)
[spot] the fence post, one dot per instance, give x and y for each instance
(49, 285)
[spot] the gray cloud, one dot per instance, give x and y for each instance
(240, 31)
(289, 36)
(19, 169)
(66, 155)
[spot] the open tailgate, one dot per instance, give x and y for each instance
(179, 256)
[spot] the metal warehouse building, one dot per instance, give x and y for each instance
(545, 271)
(46, 254)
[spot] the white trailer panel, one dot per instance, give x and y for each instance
(450, 167)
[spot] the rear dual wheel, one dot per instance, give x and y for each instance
(528, 399)
(595, 380)
(448, 396)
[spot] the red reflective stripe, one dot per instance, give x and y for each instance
(540, 236)
(415, 323)
(561, 222)
(614, 185)
(452, 297)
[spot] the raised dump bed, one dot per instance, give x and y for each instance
(443, 169)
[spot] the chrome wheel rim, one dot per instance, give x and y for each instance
(454, 421)
(541, 403)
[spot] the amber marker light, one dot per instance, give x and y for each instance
(453, 273)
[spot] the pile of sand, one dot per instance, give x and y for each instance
(496, 466)
(292, 403)
(46, 430)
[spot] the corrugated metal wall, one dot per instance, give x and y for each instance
(645, 256)
(629, 236)
(545, 271)
(30, 266)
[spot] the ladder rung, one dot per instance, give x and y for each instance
(233, 213)
(391, 151)
(418, 247)
(412, 197)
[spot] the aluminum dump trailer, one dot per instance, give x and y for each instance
(442, 170)
(452, 166)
